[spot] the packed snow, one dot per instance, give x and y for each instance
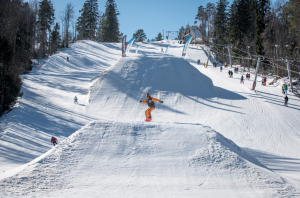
(212, 136)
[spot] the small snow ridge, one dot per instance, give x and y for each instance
(221, 157)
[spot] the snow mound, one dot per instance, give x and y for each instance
(138, 159)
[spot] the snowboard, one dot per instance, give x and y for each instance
(148, 120)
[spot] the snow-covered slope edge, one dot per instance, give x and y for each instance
(137, 159)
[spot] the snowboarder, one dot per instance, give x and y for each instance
(76, 100)
(286, 99)
(150, 101)
(53, 140)
(242, 79)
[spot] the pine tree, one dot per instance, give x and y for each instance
(159, 37)
(293, 10)
(221, 23)
(260, 11)
(10, 84)
(202, 17)
(45, 20)
(88, 21)
(100, 27)
(110, 30)
(181, 33)
(239, 23)
(55, 38)
(139, 35)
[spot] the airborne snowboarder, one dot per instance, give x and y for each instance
(150, 101)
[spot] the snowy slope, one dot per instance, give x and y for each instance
(47, 107)
(184, 152)
(136, 159)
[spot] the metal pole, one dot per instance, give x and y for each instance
(208, 55)
(289, 73)
(276, 52)
(229, 55)
(1, 105)
(257, 66)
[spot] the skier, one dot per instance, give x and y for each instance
(229, 73)
(76, 100)
(67, 58)
(150, 101)
(242, 79)
(221, 68)
(53, 140)
(286, 99)
(198, 61)
(283, 88)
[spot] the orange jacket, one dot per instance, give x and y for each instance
(150, 101)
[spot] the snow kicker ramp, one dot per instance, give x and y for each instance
(185, 91)
(137, 159)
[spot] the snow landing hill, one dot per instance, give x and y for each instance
(212, 136)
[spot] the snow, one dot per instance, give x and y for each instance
(212, 136)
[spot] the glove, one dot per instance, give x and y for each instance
(161, 101)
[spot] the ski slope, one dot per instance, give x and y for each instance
(212, 136)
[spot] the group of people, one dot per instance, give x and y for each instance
(230, 73)
(247, 76)
(284, 89)
(215, 64)
(236, 69)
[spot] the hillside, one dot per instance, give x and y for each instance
(212, 136)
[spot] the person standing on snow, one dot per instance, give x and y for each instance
(221, 68)
(286, 99)
(286, 89)
(76, 100)
(53, 140)
(242, 79)
(150, 101)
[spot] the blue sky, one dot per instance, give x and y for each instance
(152, 16)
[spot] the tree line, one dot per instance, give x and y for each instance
(259, 27)
(30, 30)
